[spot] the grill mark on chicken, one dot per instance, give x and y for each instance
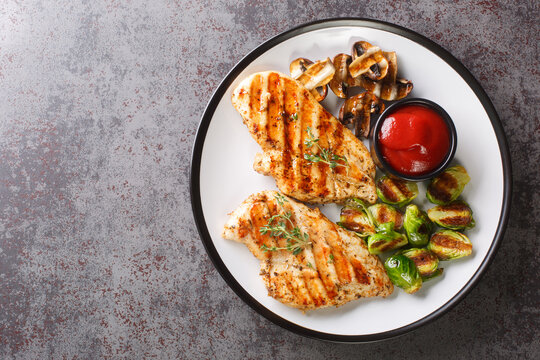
(319, 170)
(340, 148)
(302, 288)
(360, 272)
(287, 278)
(254, 100)
(338, 259)
(314, 283)
(310, 287)
(274, 126)
(293, 134)
(259, 218)
(287, 140)
(305, 183)
(321, 252)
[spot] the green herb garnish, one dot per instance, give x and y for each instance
(277, 227)
(325, 155)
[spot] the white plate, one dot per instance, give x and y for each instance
(222, 177)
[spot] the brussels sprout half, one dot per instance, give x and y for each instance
(417, 225)
(426, 262)
(403, 273)
(446, 187)
(437, 273)
(356, 217)
(449, 245)
(384, 213)
(456, 215)
(386, 239)
(396, 191)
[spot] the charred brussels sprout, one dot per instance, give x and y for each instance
(396, 191)
(383, 213)
(426, 262)
(455, 216)
(356, 217)
(417, 225)
(449, 244)
(386, 239)
(446, 187)
(437, 273)
(403, 273)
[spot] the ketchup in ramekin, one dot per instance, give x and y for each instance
(414, 139)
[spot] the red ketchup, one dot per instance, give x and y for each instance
(414, 139)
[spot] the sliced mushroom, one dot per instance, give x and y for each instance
(368, 60)
(314, 76)
(391, 75)
(400, 89)
(368, 84)
(357, 110)
(317, 74)
(339, 83)
(299, 66)
(393, 88)
(389, 88)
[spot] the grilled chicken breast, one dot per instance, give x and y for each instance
(335, 268)
(278, 111)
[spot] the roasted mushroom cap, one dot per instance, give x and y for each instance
(357, 110)
(339, 83)
(299, 66)
(314, 76)
(368, 60)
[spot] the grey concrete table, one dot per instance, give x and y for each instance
(99, 105)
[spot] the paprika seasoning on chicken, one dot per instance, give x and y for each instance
(414, 139)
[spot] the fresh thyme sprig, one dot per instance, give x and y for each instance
(326, 155)
(277, 227)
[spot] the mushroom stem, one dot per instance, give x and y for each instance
(318, 74)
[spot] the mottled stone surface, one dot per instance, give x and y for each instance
(99, 105)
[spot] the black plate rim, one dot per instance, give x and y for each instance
(199, 144)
